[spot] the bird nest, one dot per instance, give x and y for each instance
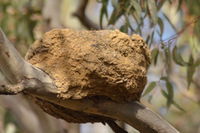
(105, 64)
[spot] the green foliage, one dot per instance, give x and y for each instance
(178, 58)
(154, 55)
(150, 87)
(170, 93)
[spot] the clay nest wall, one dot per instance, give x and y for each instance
(92, 64)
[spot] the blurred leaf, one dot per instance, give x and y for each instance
(179, 4)
(164, 78)
(150, 87)
(173, 102)
(152, 10)
(168, 59)
(190, 71)
(197, 63)
(161, 26)
(103, 11)
(138, 10)
(197, 28)
(170, 91)
(116, 14)
(124, 28)
(151, 39)
(148, 39)
(160, 4)
(178, 106)
(169, 21)
(150, 98)
(178, 58)
(154, 55)
(164, 93)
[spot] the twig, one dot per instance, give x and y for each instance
(81, 15)
(181, 31)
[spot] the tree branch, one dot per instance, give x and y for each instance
(16, 69)
(81, 15)
(134, 113)
(35, 82)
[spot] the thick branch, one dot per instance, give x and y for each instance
(15, 68)
(135, 114)
(81, 15)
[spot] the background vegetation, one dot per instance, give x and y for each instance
(171, 28)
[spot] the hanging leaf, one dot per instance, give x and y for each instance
(197, 28)
(164, 93)
(173, 102)
(150, 87)
(103, 12)
(170, 22)
(152, 10)
(116, 14)
(161, 26)
(148, 39)
(124, 28)
(138, 10)
(197, 63)
(190, 71)
(170, 91)
(152, 37)
(178, 106)
(168, 59)
(160, 4)
(154, 55)
(178, 58)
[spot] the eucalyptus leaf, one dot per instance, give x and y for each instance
(154, 55)
(178, 58)
(153, 10)
(178, 106)
(103, 12)
(150, 87)
(164, 93)
(190, 71)
(161, 26)
(116, 14)
(170, 22)
(170, 93)
(137, 8)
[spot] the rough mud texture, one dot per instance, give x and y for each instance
(93, 63)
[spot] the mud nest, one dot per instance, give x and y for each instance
(91, 64)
